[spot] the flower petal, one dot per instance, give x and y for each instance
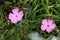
(50, 21)
(15, 11)
(48, 29)
(53, 26)
(44, 21)
(12, 18)
(20, 16)
(43, 27)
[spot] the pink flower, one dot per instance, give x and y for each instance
(48, 25)
(16, 15)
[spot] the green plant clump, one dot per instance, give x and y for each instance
(34, 12)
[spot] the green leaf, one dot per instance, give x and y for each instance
(14, 37)
(14, 1)
(11, 31)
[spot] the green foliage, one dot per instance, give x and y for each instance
(34, 12)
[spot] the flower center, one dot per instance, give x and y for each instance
(47, 25)
(16, 15)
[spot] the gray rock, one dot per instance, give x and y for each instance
(55, 38)
(35, 36)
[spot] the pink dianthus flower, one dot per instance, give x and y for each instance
(48, 25)
(16, 15)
